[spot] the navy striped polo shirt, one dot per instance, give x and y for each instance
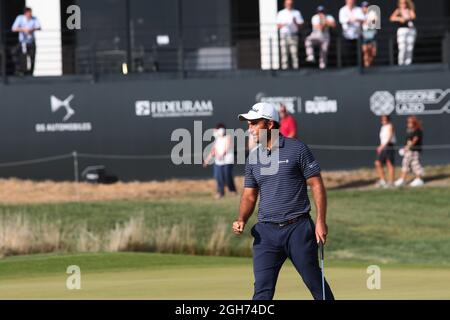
(283, 194)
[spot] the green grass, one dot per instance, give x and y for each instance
(156, 276)
(387, 227)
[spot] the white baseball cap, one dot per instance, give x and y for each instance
(261, 111)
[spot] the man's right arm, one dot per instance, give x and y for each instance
(280, 23)
(246, 208)
(16, 26)
(343, 17)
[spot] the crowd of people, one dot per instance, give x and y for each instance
(411, 152)
(359, 26)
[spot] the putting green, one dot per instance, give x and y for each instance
(153, 276)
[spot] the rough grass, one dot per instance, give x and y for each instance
(19, 235)
(376, 226)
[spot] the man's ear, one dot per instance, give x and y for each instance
(271, 125)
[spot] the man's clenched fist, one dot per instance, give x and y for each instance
(238, 227)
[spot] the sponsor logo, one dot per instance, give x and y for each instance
(411, 102)
(171, 109)
(292, 104)
(321, 105)
(382, 103)
(57, 104)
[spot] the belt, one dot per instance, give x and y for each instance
(289, 222)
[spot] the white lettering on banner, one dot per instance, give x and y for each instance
(321, 105)
(411, 102)
(61, 127)
(166, 109)
(292, 104)
(425, 96)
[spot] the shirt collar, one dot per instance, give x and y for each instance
(278, 144)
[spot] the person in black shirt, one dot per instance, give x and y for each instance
(404, 17)
(412, 152)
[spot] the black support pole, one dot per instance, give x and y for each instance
(128, 28)
(180, 39)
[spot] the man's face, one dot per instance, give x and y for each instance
(350, 3)
(288, 4)
(258, 128)
(28, 14)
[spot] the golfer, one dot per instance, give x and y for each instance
(285, 228)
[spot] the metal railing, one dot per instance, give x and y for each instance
(211, 48)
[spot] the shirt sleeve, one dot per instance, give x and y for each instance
(299, 18)
(249, 181)
(307, 163)
(279, 18)
(360, 14)
(37, 24)
(315, 20)
(16, 23)
(343, 16)
(330, 19)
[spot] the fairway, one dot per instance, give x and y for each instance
(155, 276)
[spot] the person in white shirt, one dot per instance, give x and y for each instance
(321, 23)
(351, 17)
(386, 153)
(289, 21)
(223, 154)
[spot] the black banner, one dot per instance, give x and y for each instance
(127, 125)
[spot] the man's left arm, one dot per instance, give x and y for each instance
(298, 19)
(37, 25)
(320, 201)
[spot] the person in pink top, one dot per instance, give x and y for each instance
(288, 124)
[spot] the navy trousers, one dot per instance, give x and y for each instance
(274, 244)
(224, 176)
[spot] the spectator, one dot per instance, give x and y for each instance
(411, 153)
(351, 17)
(404, 16)
(369, 33)
(289, 21)
(26, 25)
(223, 154)
(320, 36)
(386, 153)
(288, 124)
